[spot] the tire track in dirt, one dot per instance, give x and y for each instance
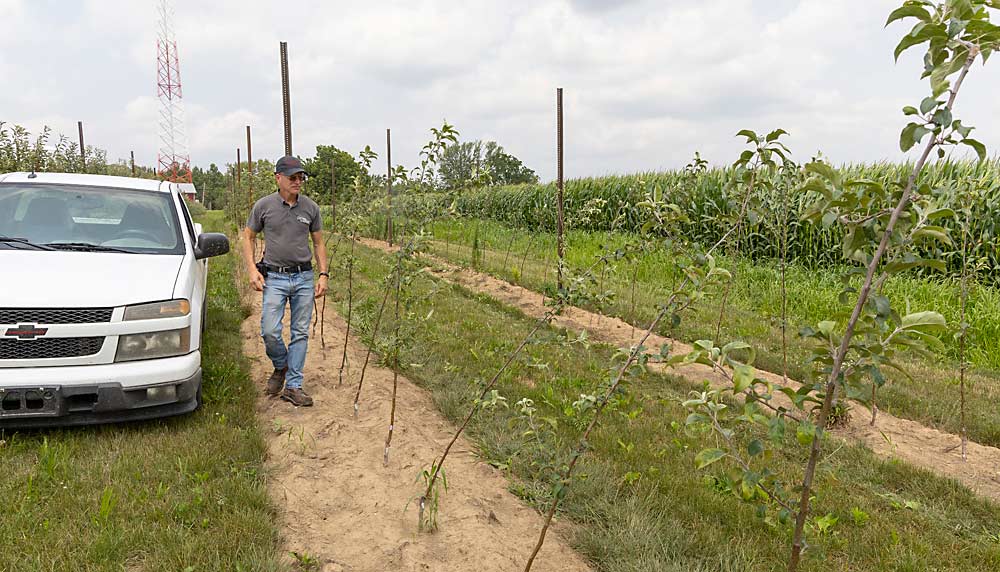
(892, 437)
(340, 506)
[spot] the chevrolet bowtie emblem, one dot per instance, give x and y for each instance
(25, 331)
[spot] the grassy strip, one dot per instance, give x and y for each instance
(184, 493)
(929, 395)
(641, 504)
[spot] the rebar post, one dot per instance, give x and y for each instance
(83, 149)
(333, 194)
(286, 98)
(388, 208)
(561, 240)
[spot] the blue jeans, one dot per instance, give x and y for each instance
(297, 290)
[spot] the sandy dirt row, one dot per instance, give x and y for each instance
(892, 437)
(343, 509)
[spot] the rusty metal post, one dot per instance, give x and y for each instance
(560, 239)
(249, 170)
(83, 150)
(388, 210)
(333, 193)
(286, 98)
(132, 153)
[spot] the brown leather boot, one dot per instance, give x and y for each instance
(297, 397)
(276, 382)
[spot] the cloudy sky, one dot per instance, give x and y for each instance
(647, 82)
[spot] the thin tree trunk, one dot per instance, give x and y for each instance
(350, 306)
(531, 240)
(395, 370)
(584, 439)
(729, 284)
(838, 360)
(368, 354)
(784, 291)
(507, 254)
(961, 342)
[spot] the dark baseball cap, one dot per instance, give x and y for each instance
(288, 166)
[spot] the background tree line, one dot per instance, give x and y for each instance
(446, 165)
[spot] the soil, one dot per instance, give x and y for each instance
(892, 437)
(347, 512)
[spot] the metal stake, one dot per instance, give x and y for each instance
(132, 153)
(333, 193)
(388, 160)
(83, 149)
(285, 98)
(249, 168)
(560, 239)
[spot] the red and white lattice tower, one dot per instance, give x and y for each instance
(174, 162)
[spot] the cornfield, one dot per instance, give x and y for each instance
(709, 200)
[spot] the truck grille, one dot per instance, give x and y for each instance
(50, 348)
(54, 315)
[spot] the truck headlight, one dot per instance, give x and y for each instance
(151, 345)
(168, 309)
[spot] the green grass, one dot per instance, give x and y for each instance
(670, 516)
(930, 396)
(184, 493)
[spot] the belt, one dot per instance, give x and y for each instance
(290, 269)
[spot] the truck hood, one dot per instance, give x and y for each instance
(44, 279)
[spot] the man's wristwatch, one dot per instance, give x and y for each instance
(327, 274)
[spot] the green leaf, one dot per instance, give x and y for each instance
(773, 136)
(979, 147)
(696, 419)
(927, 105)
(909, 11)
(823, 170)
(829, 218)
(909, 110)
(755, 448)
(962, 130)
(906, 43)
(942, 117)
(708, 456)
(938, 233)
(939, 79)
(927, 321)
(742, 378)
(826, 327)
(910, 40)
(750, 135)
(776, 429)
(733, 346)
(941, 213)
(910, 135)
(899, 266)
(805, 433)
(882, 306)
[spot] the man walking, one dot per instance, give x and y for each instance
(288, 219)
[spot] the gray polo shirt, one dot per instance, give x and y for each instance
(286, 228)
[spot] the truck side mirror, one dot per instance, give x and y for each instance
(211, 244)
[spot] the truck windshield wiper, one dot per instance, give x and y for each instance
(24, 241)
(85, 247)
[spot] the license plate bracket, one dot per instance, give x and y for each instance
(30, 402)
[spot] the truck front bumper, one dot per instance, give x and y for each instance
(54, 405)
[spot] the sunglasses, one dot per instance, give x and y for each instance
(298, 177)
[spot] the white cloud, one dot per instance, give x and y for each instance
(647, 82)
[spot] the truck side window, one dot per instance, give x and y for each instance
(187, 220)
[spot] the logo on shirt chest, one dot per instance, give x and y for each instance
(303, 219)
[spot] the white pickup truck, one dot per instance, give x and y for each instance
(102, 299)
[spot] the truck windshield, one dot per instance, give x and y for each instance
(77, 216)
